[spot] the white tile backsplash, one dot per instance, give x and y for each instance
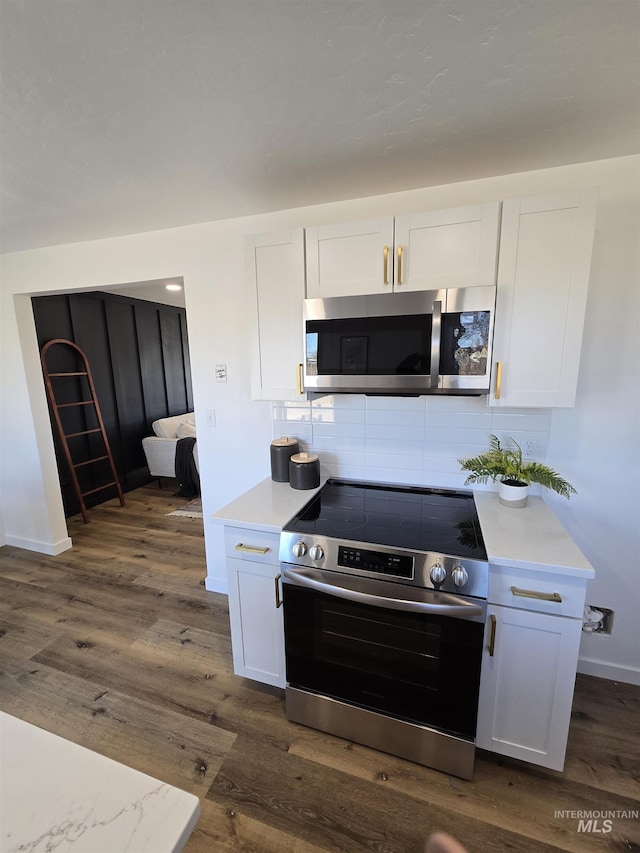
(339, 430)
(395, 404)
(396, 461)
(292, 413)
(292, 429)
(522, 419)
(407, 440)
(338, 416)
(335, 444)
(466, 420)
(395, 434)
(338, 401)
(394, 475)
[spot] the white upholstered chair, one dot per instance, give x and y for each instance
(160, 448)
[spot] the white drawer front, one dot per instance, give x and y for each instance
(255, 545)
(543, 592)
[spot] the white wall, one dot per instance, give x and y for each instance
(589, 444)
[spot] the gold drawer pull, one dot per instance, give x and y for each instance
(492, 636)
(300, 388)
(278, 599)
(251, 549)
(385, 266)
(498, 380)
(532, 593)
(399, 276)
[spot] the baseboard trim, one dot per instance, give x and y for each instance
(52, 549)
(216, 585)
(627, 674)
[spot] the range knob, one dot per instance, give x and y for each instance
(299, 549)
(460, 576)
(316, 553)
(438, 573)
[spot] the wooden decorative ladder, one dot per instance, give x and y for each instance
(64, 436)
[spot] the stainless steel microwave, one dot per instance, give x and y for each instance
(411, 343)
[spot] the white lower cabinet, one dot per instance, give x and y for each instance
(526, 688)
(255, 611)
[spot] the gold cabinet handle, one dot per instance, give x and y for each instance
(250, 549)
(299, 379)
(492, 635)
(278, 599)
(399, 276)
(385, 265)
(532, 593)
(498, 379)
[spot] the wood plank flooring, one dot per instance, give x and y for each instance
(117, 646)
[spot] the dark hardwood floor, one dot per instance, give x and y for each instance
(116, 645)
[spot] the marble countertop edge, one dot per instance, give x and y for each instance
(57, 796)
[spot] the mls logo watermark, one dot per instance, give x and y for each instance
(593, 825)
(595, 821)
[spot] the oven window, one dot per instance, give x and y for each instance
(416, 667)
(378, 645)
(370, 346)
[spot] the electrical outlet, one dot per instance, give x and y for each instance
(597, 620)
(529, 447)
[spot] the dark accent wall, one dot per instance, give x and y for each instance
(138, 353)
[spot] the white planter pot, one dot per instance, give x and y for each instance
(514, 496)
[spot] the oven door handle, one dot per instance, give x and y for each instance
(447, 605)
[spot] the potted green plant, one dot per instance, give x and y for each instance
(513, 473)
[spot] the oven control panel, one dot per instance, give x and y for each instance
(398, 565)
(425, 569)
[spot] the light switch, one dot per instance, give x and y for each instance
(210, 417)
(221, 372)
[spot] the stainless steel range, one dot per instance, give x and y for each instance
(384, 591)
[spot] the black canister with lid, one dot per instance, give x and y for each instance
(304, 471)
(282, 449)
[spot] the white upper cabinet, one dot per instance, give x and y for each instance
(447, 248)
(275, 273)
(543, 277)
(350, 258)
(423, 251)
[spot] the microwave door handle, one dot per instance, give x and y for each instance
(450, 605)
(436, 333)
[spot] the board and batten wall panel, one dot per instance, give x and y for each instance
(127, 384)
(174, 372)
(138, 353)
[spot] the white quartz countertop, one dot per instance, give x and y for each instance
(528, 538)
(267, 506)
(56, 796)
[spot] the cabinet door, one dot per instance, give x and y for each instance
(257, 629)
(447, 248)
(543, 277)
(275, 276)
(349, 258)
(526, 686)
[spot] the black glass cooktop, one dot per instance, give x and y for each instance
(419, 519)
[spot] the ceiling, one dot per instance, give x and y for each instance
(122, 116)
